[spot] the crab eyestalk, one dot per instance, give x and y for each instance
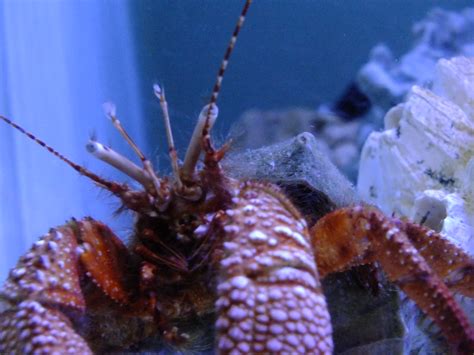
(111, 157)
(194, 148)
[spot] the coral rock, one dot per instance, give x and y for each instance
(422, 166)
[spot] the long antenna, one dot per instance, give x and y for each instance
(106, 184)
(207, 145)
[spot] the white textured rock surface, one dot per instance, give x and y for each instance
(423, 162)
(422, 167)
(386, 78)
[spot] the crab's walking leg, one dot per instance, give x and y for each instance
(451, 263)
(365, 234)
(269, 296)
(407, 268)
(44, 294)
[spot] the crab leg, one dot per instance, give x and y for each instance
(449, 262)
(269, 295)
(364, 234)
(32, 328)
(407, 268)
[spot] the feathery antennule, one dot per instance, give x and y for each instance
(220, 76)
(121, 163)
(106, 184)
(110, 112)
(160, 94)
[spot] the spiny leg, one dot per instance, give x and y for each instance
(340, 242)
(404, 265)
(448, 261)
(407, 268)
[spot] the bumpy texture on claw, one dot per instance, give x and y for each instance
(31, 328)
(49, 272)
(269, 296)
(364, 234)
(50, 290)
(45, 282)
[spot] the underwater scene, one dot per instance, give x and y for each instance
(236, 177)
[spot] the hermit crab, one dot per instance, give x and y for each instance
(207, 246)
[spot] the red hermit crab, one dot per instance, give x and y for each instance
(207, 246)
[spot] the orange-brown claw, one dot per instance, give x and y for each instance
(339, 241)
(31, 328)
(104, 258)
(50, 288)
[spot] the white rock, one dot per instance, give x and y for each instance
(422, 165)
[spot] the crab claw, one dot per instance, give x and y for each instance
(48, 293)
(48, 273)
(31, 328)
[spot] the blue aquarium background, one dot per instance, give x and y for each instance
(60, 60)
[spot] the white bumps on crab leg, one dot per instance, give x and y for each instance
(48, 272)
(269, 295)
(31, 328)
